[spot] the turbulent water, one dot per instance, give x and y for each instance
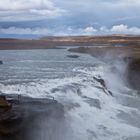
(107, 110)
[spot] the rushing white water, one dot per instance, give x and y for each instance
(92, 110)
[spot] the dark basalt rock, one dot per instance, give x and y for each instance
(1, 62)
(27, 116)
(101, 81)
(103, 85)
(73, 56)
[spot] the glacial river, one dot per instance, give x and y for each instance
(98, 103)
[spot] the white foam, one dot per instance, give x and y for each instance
(87, 122)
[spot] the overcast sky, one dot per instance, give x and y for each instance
(69, 17)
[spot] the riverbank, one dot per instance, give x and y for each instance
(53, 42)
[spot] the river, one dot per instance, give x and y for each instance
(98, 103)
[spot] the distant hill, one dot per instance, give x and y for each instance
(54, 41)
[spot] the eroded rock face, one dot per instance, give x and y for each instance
(134, 73)
(28, 118)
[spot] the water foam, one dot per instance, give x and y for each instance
(87, 121)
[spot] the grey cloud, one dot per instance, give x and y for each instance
(22, 10)
(72, 17)
(89, 30)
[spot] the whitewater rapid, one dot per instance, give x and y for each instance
(91, 112)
